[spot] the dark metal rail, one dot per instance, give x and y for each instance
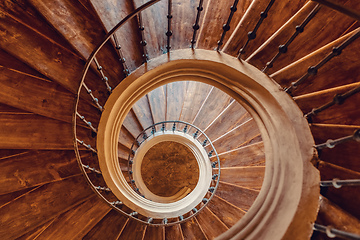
(196, 25)
(332, 143)
(226, 26)
(332, 232)
(169, 32)
(337, 183)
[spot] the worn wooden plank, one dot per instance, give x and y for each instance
(36, 168)
(157, 100)
(36, 132)
(37, 207)
(231, 117)
(237, 137)
(271, 24)
(112, 12)
(24, 12)
(345, 114)
(240, 197)
(76, 222)
(154, 233)
(8, 153)
(226, 212)
(352, 9)
(123, 152)
(329, 171)
(133, 230)
(329, 76)
(173, 233)
(249, 155)
(143, 112)
(210, 223)
(175, 94)
(344, 155)
(212, 107)
(249, 177)
(125, 138)
(191, 230)
(7, 198)
(316, 34)
(33, 234)
(155, 24)
(109, 227)
(132, 124)
(331, 214)
(212, 24)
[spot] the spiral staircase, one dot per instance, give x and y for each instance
(65, 64)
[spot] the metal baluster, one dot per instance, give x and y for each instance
(134, 214)
(332, 143)
(169, 32)
(298, 29)
(103, 77)
(252, 34)
(196, 134)
(205, 200)
(143, 43)
(105, 189)
(165, 221)
(87, 146)
(117, 203)
(91, 169)
(86, 122)
(122, 58)
(204, 143)
(332, 232)
(336, 51)
(226, 26)
(94, 99)
(153, 130)
(163, 127)
(337, 183)
(196, 25)
(185, 128)
(174, 126)
(338, 99)
(210, 153)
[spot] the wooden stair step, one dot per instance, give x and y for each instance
(154, 233)
(211, 225)
(175, 95)
(329, 171)
(123, 152)
(76, 222)
(249, 177)
(345, 154)
(35, 233)
(240, 197)
(133, 230)
(110, 14)
(237, 137)
(191, 230)
(36, 168)
(213, 106)
(132, 124)
(125, 137)
(317, 33)
(109, 227)
(38, 206)
(143, 112)
(9, 197)
(173, 232)
(249, 155)
(74, 27)
(231, 117)
(155, 22)
(195, 96)
(8, 153)
(157, 100)
(226, 212)
(328, 76)
(272, 23)
(210, 30)
(331, 214)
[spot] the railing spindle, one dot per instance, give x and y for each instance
(103, 77)
(332, 232)
(87, 146)
(226, 26)
(169, 32)
(94, 99)
(337, 183)
(332, 143)
(122, 58)
(143, 43)
(86, 122)
(196, 25)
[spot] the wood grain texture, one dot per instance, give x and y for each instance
(36, 168)
(231, 117)
(154, 233)
(242, 198)
(37, 207)
(191, 230)
(37, 132)
(237, 137)
(271, 24)
(211, 27)
(111, 13)
(331, 214)
(9, 197)
(195, 96)
(250, 155)
(210, 224)
(133, 230)
(109, 227)
(132, 124)
(76, 222)
(328, 76)
(226, 212)
(175, 95)
(33, 234)
(249, 177)
(325, 27)
(329, 171)
(344, 155)
(143, 112)
(125, 138)
(157, 100)
(173, 232)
